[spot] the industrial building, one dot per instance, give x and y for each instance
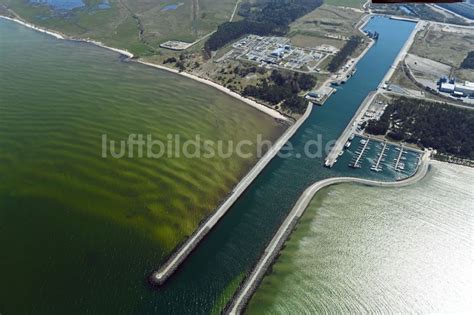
(454, 88)
(277, 52)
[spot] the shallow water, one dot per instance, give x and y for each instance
(404, 250)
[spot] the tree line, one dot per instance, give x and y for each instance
(262, 18)
(468, 62)
(445, 128)
(283, 87)
(342, 55)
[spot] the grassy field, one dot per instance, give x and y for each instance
(448, 45)
(320, 26)
(326, 20)
(137, 25)
(346, 3)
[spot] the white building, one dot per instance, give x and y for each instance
(447, 87)
(459, 89)
(467, 88)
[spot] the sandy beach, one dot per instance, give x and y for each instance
(265, 109)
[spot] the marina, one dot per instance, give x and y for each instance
(380, 156)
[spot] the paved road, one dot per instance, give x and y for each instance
(182, 253)
(247, 289)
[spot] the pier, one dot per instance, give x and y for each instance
(397, 162)
(377, 167)
(356, 163)
(159, 277)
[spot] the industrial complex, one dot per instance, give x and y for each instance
(277, 52)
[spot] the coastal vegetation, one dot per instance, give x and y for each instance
(283, 87)
(342, 55)
(447, 129)
(139, 26)
(261, 18)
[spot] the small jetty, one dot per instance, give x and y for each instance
(361, 151)
(380, 157)
(400, 166)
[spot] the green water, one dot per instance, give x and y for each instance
(73, 224)
(69, 254)
(405, 250)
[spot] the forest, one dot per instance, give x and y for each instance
(341, 57)
(262, 18)
(283, 87)
(468, 62)
(446, 128)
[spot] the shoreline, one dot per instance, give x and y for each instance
(265, 109)
(262, 108)
(248, 287)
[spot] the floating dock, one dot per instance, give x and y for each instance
(377, 167)
(356, 163)
(398, 165)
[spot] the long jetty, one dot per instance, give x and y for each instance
(159, 277)
(246, 290)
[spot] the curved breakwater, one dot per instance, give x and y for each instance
(396, 250)
(251, 283)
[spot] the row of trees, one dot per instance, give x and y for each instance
(341, 57)
(446, 128)
(269, 17)
(468, 62)
(283, 87)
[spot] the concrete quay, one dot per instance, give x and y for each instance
(350, 129)
(402, 54)
(250, 284)
(174, 261)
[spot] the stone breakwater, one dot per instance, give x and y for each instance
(250, 284)
(159, 277)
